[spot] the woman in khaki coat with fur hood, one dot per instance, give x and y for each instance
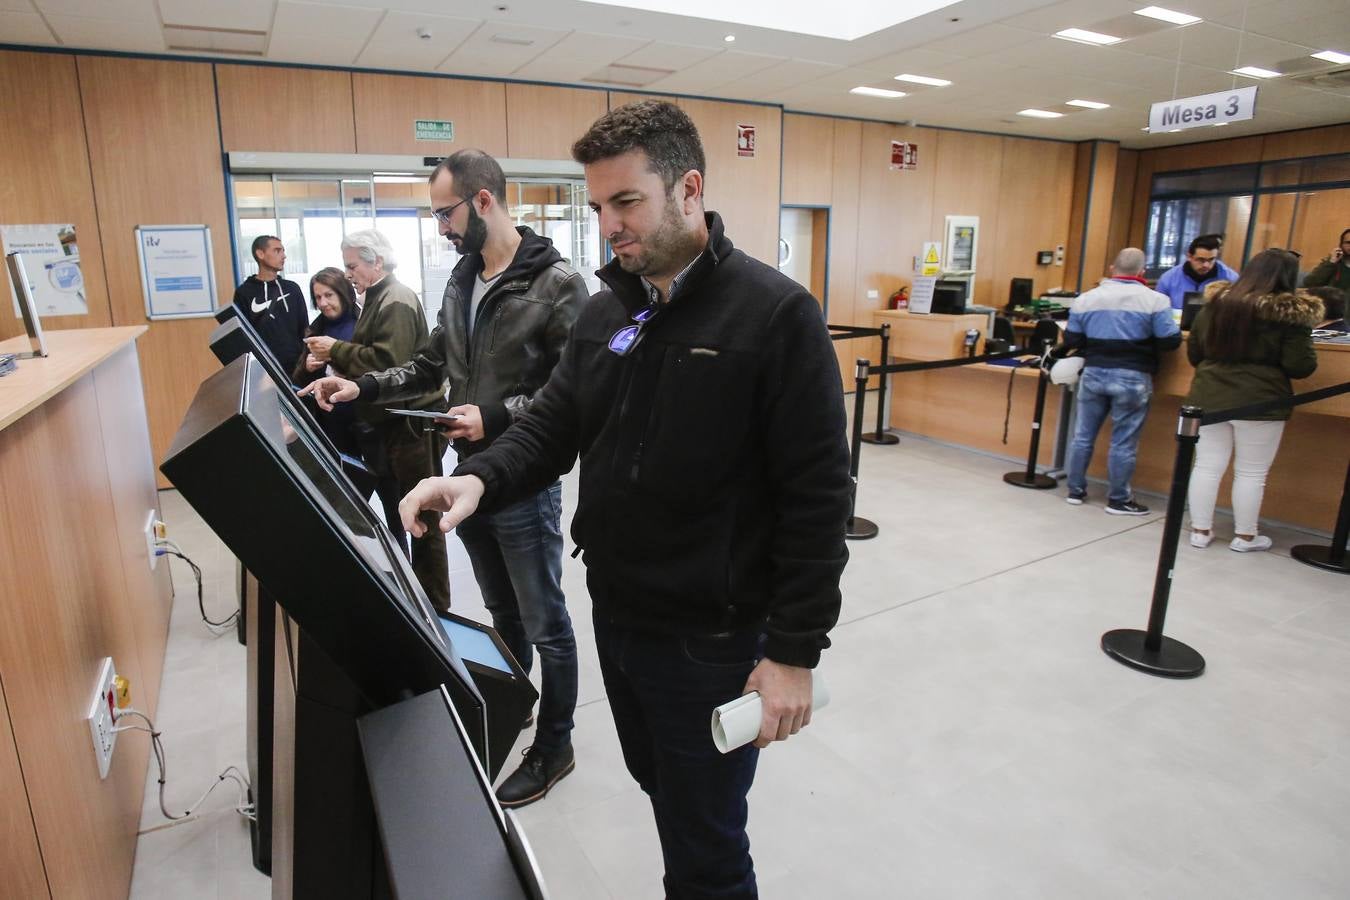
(1251, 338)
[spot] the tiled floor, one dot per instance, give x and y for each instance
(979, 744)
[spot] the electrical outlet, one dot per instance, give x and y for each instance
(150, 538)
(101, 716)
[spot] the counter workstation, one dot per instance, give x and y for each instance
(966, 406)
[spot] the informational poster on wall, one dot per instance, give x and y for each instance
(904, 155)
(931, 263)
(177, 275)
(921, 294)
(52, 259)
(745, 141)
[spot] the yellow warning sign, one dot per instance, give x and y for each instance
(932, 258)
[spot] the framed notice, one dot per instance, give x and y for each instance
(921, 294)
(177, 275)
(51, 258)
(745, 141)
(904, 155)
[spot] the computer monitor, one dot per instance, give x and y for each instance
(259, 479)
(1019, 292)
(949, 296)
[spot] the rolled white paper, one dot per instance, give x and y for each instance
(737, 723)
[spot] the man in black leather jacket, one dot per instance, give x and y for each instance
(508, 308)
(703, 396)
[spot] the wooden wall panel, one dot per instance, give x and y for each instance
(388, 105)
(1082, 186)
(20, 859)
(897, 216)
(808, 159)
(1306, 142)
(744, 191)
(1122, 202)
(1036, 199)
(543, 122)
(68, 611)
(157, 160)
(1098, 253)
(284, 110)
(126, 448)
(969, 169)
(46, 181)
(842, 277)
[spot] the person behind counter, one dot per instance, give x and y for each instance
(331, 294)
(1334, 269)
(1202, 267)
(1247, 342)
(1333, 303)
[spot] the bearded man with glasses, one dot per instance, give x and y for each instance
(701, 391)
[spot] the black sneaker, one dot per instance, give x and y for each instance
(1076, 498)
(540, 771)
(1126, 508)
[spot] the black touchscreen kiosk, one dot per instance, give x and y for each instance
(257, 477)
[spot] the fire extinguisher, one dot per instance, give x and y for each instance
(900, 299)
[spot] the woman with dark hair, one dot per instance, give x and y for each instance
(331, 294)
(1250, 338)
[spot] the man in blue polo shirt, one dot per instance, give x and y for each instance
(1201, 267)
(1121, 327)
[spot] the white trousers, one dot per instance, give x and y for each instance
(1253, 444)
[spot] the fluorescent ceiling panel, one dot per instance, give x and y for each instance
(1332, 56)
(923, 79)
(845, 20)
(1088, 104)
(877, 92)
(1256, 72)
(1040, 114)
(1084, 36)
(1167, 15)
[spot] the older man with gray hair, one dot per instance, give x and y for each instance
(388, 333)
(1121, 327)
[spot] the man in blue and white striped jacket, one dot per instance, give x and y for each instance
(1120, 327)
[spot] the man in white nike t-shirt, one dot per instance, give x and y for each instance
(274, 306)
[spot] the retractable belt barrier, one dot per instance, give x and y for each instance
(846, 332)
(859, 528)
(1150, 651)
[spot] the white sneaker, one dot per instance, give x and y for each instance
(1201, 541)
(1259, 542)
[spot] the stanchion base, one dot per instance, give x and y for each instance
(1320, 557)
(1038, 482)
(880, 437)
(860, 529)
(1173, 660)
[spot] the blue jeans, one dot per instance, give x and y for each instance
(1124, 395)
(516, 554)
(662, 691)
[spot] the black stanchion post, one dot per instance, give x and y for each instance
(1030, 478)
(1331, 558)
(858, 529)
(882, 435)
(1149, 651)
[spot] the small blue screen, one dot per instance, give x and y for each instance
(475, 645)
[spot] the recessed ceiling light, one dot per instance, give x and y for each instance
(729, 38)
(923, 79)
(1040, 114)
(1332, 56)
(1167, 15)
(876, 92)
(1088, 104)
(1256, 72)
(1084, 36)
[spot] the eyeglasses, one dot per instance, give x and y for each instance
(626, 339)
(443, 215)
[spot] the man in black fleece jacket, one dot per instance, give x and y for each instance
(274, 306)
(703, 396)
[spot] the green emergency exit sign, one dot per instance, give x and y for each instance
(433, 130)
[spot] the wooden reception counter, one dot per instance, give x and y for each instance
(76, 586)
(966, 406)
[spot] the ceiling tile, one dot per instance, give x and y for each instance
(104, 34)
(499, 48)
(247, 15)
(726, 66)
(116, 10)
(320, 33)
(578, 55)
(25, 28)
(1072, 14)
(986, 39)
(788, 73)
(396, 44)
(667, 56)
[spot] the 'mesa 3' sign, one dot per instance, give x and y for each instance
(1207, 109)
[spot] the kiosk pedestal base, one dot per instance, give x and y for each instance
(860, 529)
(1038, 481)
(884, 438)
(1172, 660)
